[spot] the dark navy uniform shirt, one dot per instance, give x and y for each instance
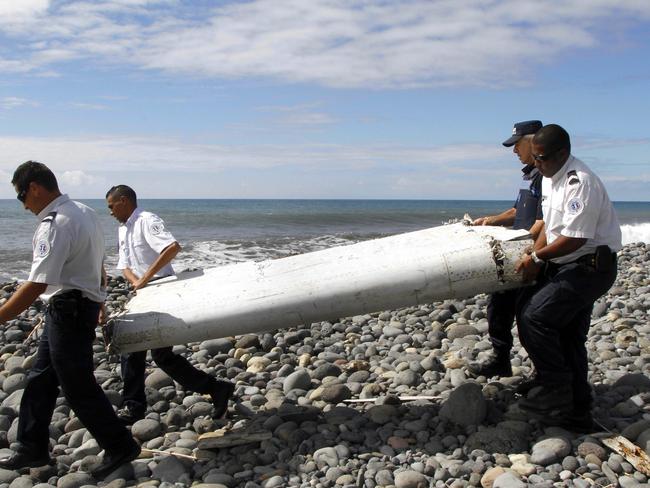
(529, 200)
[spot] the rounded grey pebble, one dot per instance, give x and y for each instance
(146, 429)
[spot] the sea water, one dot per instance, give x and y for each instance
(217, 232)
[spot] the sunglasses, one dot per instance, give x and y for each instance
(545, 157)
(22, 195)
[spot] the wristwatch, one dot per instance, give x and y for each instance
(535, 259)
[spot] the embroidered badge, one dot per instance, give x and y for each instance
(574, 207)
(42, 248)
(156, 228)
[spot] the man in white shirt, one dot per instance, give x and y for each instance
(67, 271)
(146, 249)
(574, 262)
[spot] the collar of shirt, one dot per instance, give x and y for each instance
(529, 171)
(557, 177)
(52, 205)
(133, 217)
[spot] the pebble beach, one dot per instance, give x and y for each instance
(379, 400)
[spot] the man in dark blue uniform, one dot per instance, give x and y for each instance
(523, 215)
(67, 272)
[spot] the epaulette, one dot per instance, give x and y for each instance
(49, 217)
(573, 177)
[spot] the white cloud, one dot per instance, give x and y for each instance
(117, 154)
(89, 106)
(76, 178)
(304, 116)
(8, 103)
(337, 43)
(22, 8)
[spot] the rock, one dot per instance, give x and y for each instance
(550, 450)
(74, 480)
(14, 383)
(326, 456)
(497, 439)
(406, 378)
(637, 380)
(169, 470)
(381, 414)
(299, 379)
(325, 370)
(335, 394)
(487, 480)
(12, 402)
(257, 364)
(22, 482)
(597, 450)
(247, 341)
(216, 346)
(146, 429)
(158, 379)
(508, 480)
(457, 331)
(410, 479)
(465, 406)
(7, 476)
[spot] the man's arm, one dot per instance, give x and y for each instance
(163, 259)
(21, 300)
(505, 218)
(536, 231)
(561, 246)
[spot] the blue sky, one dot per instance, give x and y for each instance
(319, 98)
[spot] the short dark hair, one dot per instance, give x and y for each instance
(553, 138)
(119, 191)
(33, 171)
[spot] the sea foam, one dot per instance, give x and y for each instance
(636, 233)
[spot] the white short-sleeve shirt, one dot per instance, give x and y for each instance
(68, 250)
(575, 204)
(141, 240)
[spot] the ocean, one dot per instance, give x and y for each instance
(218, 232)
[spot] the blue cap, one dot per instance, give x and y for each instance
(521, 129)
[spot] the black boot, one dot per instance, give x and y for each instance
(548, 399)
(497, 365)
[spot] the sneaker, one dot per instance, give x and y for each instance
(548, 399)
(497, 365)
(112, 461)
(22, 459)
(129, 415)
(220, 394)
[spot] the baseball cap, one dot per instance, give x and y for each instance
(521, 129)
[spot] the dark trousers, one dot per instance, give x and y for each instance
(177, 367)
(65, 359)
(501, 315)
(554, 318)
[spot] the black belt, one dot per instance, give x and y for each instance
(71, 295)
(603, 257)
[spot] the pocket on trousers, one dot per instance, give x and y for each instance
(64, 311)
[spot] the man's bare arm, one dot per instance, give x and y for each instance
(163, 259)
(505, 218)
(21, 300)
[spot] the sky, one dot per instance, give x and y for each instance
(400, 99)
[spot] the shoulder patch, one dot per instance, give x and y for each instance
(574, 206)
(42, 248)
(156, 227)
